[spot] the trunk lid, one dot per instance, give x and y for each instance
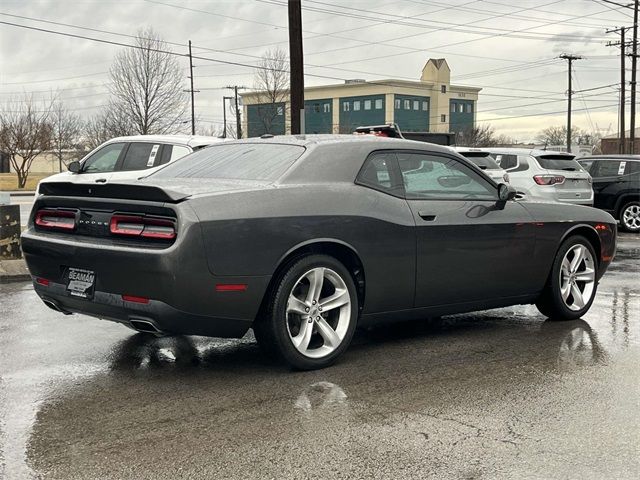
(157, 190)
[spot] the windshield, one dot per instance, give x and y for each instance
(237, 161)
(481, 159)
(558, 162)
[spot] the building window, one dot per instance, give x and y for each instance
(280, 111)
(416, 105)
(407, 104)
(367, 104)
(461, 108)
(327, 108)
(443, 89)
(316, 108)
(397, 103)
(356, 105)
(425, 106)
(453, 108)
(379, 104)
(443, 118)
(469, 108)
(345, 106)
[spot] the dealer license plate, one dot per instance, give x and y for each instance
(80, 282)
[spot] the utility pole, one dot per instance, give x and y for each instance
(192, 91)
(224, 115)
(623, 81)
(634, 67)
(569, 58)
(235, 89)
(296, 69)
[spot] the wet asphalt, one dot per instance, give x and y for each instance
(497, 394)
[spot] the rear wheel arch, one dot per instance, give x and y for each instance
(588, 232)
(337, 249)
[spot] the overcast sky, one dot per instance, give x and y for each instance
(509, 48)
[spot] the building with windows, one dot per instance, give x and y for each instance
(431, 104)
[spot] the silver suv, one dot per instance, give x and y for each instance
(545, 176)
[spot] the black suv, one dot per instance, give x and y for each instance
(616, 187)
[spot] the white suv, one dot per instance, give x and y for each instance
(129, 158)
(541, 175)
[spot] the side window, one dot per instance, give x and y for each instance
(632, 167)
(586, 165)
(606, 168)
(140, 156)
(431, 176)
(377, 173)
(506, 161)
(171, 153)
(104, 160)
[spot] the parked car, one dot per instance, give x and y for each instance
(128, 158)
(540, 175)
(485, 162)
(303, 238)
(616, 184)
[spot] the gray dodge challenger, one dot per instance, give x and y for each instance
(305, 238)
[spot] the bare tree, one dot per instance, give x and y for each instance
(271, 82)
(477, 136)
(556, 135)
(65, 131)
(96, 131)
(146, 88)
(25, 131)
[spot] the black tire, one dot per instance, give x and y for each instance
(550, 303)
(625, 224)
(271, 329)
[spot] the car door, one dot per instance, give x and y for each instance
(608, 178)
(469, 246)
(99, 166)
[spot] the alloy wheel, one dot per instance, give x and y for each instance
(631, 217)
(318, 312)
(577, 277)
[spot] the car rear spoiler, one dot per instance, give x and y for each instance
(125, 191)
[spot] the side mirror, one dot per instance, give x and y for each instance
(74, 167)
(506, 192)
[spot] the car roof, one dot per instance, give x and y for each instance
(536, 152)
(372, 141)
(189, 140)
(471, 149)
(610, 157)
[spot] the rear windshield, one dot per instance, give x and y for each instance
(558, 162)
(481, 159)
(238, 161)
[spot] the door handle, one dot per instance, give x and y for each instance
(427, 216)
(101, 180)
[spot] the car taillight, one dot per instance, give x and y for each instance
(548, 179)
(56, 219)
(145, 227)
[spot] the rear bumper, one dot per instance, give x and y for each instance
(163, 317)
(181, 290)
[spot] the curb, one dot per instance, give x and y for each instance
(14, 271)
(21, 193)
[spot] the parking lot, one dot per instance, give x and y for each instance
(499, 394)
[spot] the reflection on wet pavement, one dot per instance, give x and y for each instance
(496, 394)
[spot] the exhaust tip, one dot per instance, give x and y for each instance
(144, 326)
(54, 306)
